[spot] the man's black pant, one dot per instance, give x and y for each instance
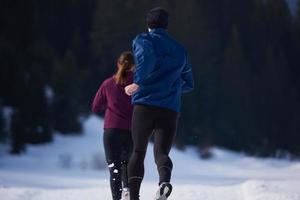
(118, 148)
(148, 120)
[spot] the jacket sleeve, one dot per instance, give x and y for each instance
(100, 102)
(187, 81)
(145, 58)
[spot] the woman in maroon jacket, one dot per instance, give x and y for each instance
(112, 99)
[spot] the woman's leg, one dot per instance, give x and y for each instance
(127, 147)
(113, 149)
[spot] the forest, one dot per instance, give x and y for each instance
(54, 54)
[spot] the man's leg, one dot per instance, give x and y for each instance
(165, 131)
(142, 127)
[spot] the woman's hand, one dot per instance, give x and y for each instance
(131, 89)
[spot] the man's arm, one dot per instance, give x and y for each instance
(145, 58)
(187, 81)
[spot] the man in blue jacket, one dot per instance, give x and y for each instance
(163, 72)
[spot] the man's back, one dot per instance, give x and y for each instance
(162, 73)
(160, 63)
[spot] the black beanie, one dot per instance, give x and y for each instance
(157, 18)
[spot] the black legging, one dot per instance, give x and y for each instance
(118, 148)
(162, 123)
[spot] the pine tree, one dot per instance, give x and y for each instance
(296, 30)
(3, 135)
(279, 104)
(115, 25)
(280, 76)
(296, 94)
(279, 24)
(67, 91)
(297, 18)
(244, 53)
(18, 136)
(237, 118)
(257, 40)
(195, 25)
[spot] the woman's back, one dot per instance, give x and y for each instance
(117, 140)
(111, 97)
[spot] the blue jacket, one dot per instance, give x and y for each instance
(163, 70)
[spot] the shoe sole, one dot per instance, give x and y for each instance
(125, 194)
(165, 193)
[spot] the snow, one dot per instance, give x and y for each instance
(7, 115)
(73, 167)
(49, 93)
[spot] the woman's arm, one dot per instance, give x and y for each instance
(100, 101)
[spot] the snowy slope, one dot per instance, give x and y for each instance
(73, 168)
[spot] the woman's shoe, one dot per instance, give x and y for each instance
(125, 194)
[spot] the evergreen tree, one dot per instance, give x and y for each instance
(257, 48)
(25, 73)
(195, 24)
(297, 18)
(113, 31)
(67, 89)
(2, 132)
(279, 75)
(277, 110)
(18, 136)
(279, 24)
(244, 55)
(237, 116)
(257, 36)
(296, 31)
(295, 90)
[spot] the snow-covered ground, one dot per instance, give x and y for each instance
(73, 168)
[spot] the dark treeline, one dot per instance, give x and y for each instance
(245, 54)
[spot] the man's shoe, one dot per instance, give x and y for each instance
(164, 191)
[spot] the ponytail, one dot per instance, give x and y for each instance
(125, 63)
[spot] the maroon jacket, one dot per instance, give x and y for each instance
(112, 99)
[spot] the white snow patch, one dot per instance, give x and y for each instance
(7, 114)
(111, 165)
(49, 93)
(74, 168)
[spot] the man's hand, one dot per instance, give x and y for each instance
(131, 89)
